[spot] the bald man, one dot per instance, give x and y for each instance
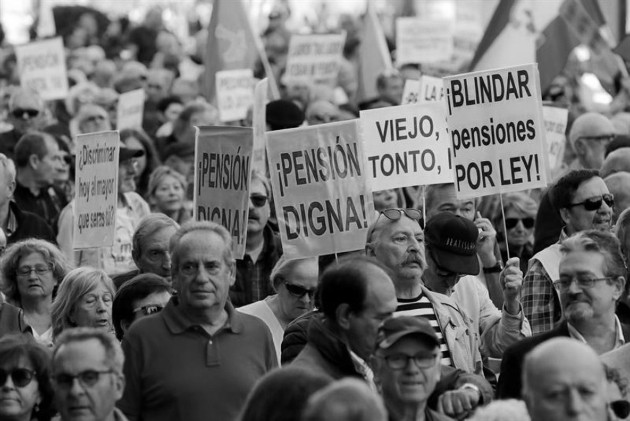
(589, 136)
(557, 388)
(619, 185)
(617, 161)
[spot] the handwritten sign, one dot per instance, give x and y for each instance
(555, 127)
(130, 110)
(497, 132)
(96, 189)
(315, 57)
(321, 196)
(423, 40)
(235, 94)
(222, 169)
(42, 67)
(411, 92)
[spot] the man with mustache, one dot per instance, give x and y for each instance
(584, 203)
(591, 279)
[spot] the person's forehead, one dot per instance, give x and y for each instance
(257, 186)
(26, 100)
(80, 354)
(594, 186)
(201, 245)
(159, 235)
(404, 224)
(581, 262)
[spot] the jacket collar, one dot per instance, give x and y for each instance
(177, 322)
(330, 345)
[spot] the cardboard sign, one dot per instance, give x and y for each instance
(322, 199)
(406, 145)
(42, 67)
(222, 170)
(555, 127)
(130, 110)
(431, 89)
(315, 57)
(235, 94)
(259, 123)
(497, 132)
(423, 40)
(410, 92)
(96, 189)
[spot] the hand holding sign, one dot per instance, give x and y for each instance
(486, 241)
(511, 281)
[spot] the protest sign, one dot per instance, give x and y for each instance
(321, 196)
(130, 110)
(96, 189)
(497, 133)
(259, 124)
(410, 92)
(431, 89)
(406, 145)
(314, 57)
(423, 40)
(222, 170)
(235, 94)
(42, 67)
(555, 127)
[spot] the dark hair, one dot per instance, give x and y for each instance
(346, 282)
(282, 394)
(164, 103)
(16, 346)
(564, 190)
(601, 242)
(32, 143)
(137, 288)
(153, 160)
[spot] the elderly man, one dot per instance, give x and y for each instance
(16, 223)
(591, 279)
(262, 247)
(617, 161)
(450, 247)
(389, 85)
(149, 248)
(38, 160)
(87, 375)
(589, 136)
(619, 186)
(92, 118)
(198, 357)
(557, 388)
(26, 113)
(584, 202)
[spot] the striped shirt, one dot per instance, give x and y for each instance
(421, 306)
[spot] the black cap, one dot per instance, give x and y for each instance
(453, 243)
(282, 114)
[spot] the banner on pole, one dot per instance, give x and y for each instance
(130, 110)
(315, 57)
(235, 93)
(42, 67)
(423, 40)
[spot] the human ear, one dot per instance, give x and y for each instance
(343, 316)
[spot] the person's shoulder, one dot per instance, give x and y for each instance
(152, 326)
(250, 323)
(618, 358)
(522, 347)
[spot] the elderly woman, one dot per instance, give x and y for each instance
(520, 215)
(31, 270)
(294, 282)
(84, 299)
(25, 389)
(166, 194)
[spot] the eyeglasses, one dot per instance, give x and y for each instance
(25, 113)
(87, 378)
(400, 361)
(27, 270)
(149, 309)
(395, 214)
(258, 200)
(21, 377)
(298, 291)
(605, 138)
(583, 281)
(512, 222)
(594, 203)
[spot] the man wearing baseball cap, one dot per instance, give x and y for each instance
(452, 266)
(407, 369)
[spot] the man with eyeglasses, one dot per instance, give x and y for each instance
(262, 247)
(92, 118)
(589, 136)
(87, 375)
(198, 358)
(590, 281)
(26, 113)
(584, 203)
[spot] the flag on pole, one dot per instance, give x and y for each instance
(374, 55)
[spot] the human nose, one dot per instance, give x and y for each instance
(76, 388)
(573, 287)
(166, 262)
(414, 245)
(574, 402)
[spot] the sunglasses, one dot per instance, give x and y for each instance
(594, 203)
(512, 222)
(621, 408)
(25, 113)
(148, 310)
(395, 214)
(258, 200)
(21, 376)
(298, 291)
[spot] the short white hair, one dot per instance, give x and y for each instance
(8, 166)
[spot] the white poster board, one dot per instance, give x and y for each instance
(235, 93)
(555, 127)
(314, 57)
(423, 40)
(130, 110)
(42, 67)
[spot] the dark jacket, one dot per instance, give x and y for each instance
(12, 320)
(512, 363)
(29, 225)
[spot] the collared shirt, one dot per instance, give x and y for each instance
(47, 204)
(364, 369)
(619, 340)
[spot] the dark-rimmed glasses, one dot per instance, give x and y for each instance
(149, 309)
(400, 361)
(594, 203)
(510, 223)
(394, 214)
(583, 281)
(87, 378)
(299, 291)
(21, 377)
(27, 270)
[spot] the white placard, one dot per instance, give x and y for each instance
(42, 67)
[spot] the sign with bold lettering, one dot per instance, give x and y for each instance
(555, 127)
(130, 110)
(96, 189)
(406, 145)
(235, 93)
(222, 170)
(423, 40)
(497, 133)
(431, 89)
(410, 92)
(315, 57)
(42, 67)
(322, 199)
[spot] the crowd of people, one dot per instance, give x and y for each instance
(512, 308)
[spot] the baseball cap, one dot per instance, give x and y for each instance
(395, 328)
(453, 243)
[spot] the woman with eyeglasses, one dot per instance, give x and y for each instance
(167, 194)
(520, 215)
(25, 389)
(30, 271)
(294, 282)
(84, 299)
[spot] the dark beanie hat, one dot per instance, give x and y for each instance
(283, 114)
